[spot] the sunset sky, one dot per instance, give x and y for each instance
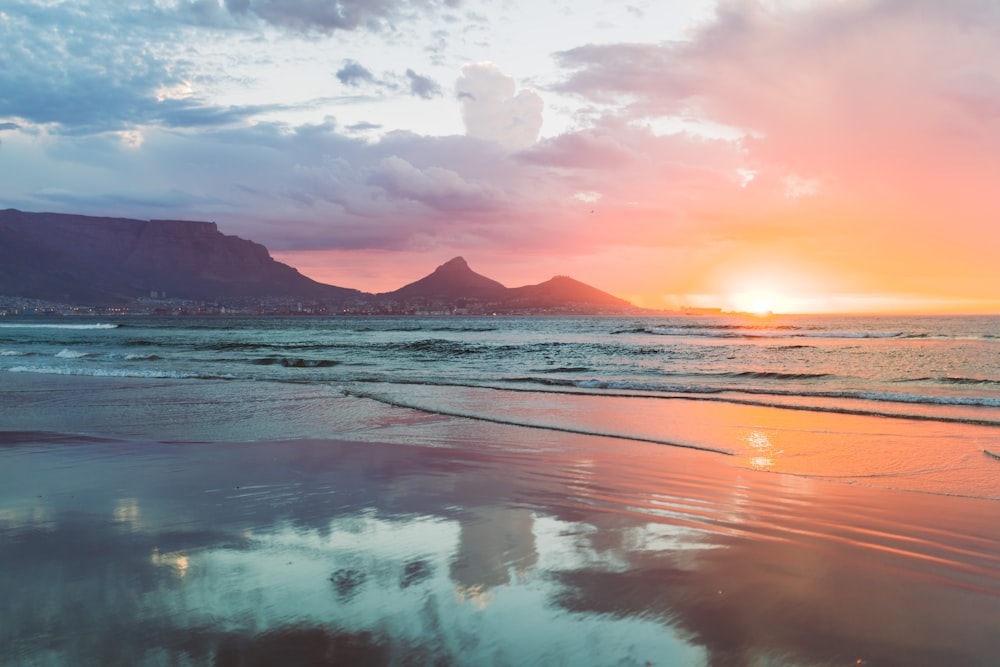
(797, 155)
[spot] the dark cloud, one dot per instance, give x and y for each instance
(421, 86)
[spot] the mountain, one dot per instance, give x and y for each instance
(452, 280)
(564, 291)
(455, 284)
(84, 259)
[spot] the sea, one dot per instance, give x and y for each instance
(921, 376)
(696, 491)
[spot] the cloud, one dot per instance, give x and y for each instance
(493, 111)
(354, 74)
(589, 148)
(363, 126)
(778, 130)
(875, 120)
(325, 16)
(104, 74)
(421, 86)
(439, 188)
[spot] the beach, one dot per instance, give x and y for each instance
(429, 539)
(499, 491)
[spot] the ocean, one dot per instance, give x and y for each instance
(931, 374)
(731, 490)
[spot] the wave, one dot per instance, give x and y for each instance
(13, 438)
(117, 372)
(464, 329)
(563, 369)
(15, 353)
(617, 385)
(142, 357)
(658, 388)
(71, 354)
(774, 375)
(774, 333)
(689, 393)
(525, 424)
(295, 362)
(25, 325)
(226, 347)
(983, 382)
(439, 346)
(701, 326)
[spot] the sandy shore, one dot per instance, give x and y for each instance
(435, 540)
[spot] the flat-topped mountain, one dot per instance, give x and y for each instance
(84, 259)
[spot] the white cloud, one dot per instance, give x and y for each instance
(492, 110)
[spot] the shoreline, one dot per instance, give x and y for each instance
(304, 523)
(934, 457)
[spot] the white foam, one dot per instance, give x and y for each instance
(115, 372)
(24, 325)
(71, 354)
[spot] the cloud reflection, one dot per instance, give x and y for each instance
(382, 554)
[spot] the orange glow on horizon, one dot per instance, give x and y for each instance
(643, 278)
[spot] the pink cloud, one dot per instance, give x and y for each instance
(887, 111)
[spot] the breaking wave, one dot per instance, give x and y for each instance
(117, 372)
(33, 325)
(72, 354)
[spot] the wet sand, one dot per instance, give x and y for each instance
(436, 540)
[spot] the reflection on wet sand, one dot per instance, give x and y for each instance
(589, 552)
(495, 544)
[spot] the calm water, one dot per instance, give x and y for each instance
(500, 491)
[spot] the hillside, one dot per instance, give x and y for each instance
(84, 259)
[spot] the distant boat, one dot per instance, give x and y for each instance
(993, 454)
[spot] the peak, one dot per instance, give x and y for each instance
(455, 262)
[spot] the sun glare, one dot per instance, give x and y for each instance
(759, 302)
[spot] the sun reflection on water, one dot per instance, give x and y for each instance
(177, 561)
(762, 450)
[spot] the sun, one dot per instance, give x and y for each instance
(760, 302)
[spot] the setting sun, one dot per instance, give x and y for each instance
(760, 302)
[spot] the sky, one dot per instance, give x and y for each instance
(786, 155)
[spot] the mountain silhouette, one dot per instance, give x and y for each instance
(562, 290)
(87, 260)
(455, 281)
(452, 280)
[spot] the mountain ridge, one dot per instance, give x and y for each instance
(59, 256)
(95, 260)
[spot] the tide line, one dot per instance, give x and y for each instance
(545, 427)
